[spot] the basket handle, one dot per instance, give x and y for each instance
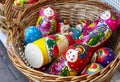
(8, 13)
(8, 9)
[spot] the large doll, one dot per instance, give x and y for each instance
(98, 32)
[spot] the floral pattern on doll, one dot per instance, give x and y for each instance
(57, 67)
(93, 38)
(45, 26)
(47, 20)
(82, 50)
(52, 47)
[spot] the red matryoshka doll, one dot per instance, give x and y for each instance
(47, 20)
(63, 26)
(72, 61)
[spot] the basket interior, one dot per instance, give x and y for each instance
(72, 10)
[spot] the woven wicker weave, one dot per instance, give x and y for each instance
(3, 21)
(2, 18)
(71, 10)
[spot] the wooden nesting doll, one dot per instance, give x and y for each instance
(47, 20)
(71, 62)
(46, 49)
(112, 19)
(98, 32)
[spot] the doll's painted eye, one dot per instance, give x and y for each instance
(73, 55)
(107, 15)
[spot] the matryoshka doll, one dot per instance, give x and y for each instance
(63, 26)
(98, 32)
(71, 62)
(96, 36)
(112, 19)
(31, 34)
(92, 68)
(31, 1)
(20, 3)
(47, 20)
(83, 24)
(104, 56)
(41, 52)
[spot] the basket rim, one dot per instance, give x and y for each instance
(16, 60)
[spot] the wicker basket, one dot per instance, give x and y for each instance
(3, 20)
(3, 24)
(71, 10)
(3, 14)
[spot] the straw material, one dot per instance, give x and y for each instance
(71, 10)
(9, 7)
(2, 19)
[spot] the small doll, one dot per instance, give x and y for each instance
(83, 24)
(47, 20)
(21, 3)
(104, 56)
(64, 26)
(31, 34)
(92, 68)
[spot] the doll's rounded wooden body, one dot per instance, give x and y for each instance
(47, 20)
(72, 61)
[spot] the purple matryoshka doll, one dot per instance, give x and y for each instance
(47, 20)
(104, 56)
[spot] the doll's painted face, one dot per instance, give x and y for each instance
(72, 55)
(48, 12)
(105, 15)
